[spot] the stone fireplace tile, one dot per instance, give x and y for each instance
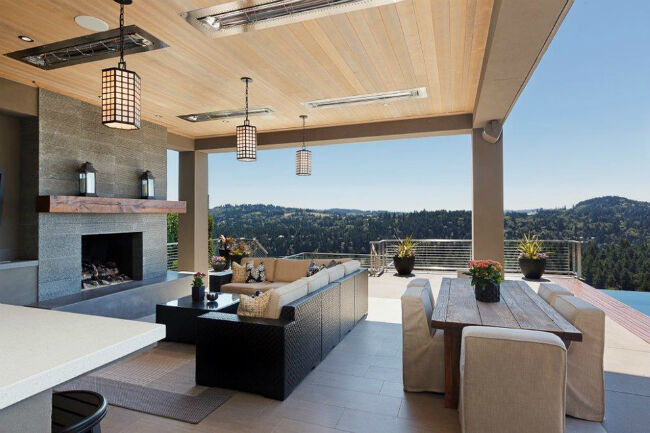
(61, 268)
(51, 247)
(55, 289)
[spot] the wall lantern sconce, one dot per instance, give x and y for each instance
(147, 182)
(87, 184)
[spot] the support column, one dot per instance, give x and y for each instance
(487, 196)
(193, 226)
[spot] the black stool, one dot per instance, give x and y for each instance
(77, 411)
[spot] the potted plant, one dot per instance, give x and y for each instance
(532, 261)
(219, 263)
(486, 278)
(198, 288)
(404, 260)
(240, 251)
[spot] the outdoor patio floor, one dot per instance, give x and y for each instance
(358, 388)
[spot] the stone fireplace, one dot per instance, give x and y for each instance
(70, 133)
(109, 259)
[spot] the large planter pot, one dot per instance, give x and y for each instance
(236, 259)
(487, 292)
(198, 293)
(404, 265)
(220, 267)
(532, 268)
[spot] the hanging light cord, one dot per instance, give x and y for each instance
(304, 146)
(122, 63)
(247, 122)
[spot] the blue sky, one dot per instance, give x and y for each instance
(580, 129)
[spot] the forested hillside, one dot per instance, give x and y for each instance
(617, 232)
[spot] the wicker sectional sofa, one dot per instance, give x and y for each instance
(271, 355)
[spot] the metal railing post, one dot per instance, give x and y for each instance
(579, 259)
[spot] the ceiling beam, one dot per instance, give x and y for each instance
(374, 131)
(18, 99)
(179, 143)
(519, 34)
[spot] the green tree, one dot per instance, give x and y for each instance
(172, 227)
(211, 249)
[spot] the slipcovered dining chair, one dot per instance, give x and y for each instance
(550, 291)
(423, 362)
(585, 384)
(511, 381)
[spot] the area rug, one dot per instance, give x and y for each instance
(158, 382)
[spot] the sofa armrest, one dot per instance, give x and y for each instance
(242, 353)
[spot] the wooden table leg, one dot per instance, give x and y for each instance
(452, 367)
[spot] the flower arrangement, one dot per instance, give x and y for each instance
(218, 263)
(406, 247)
(198, 280)
(485, 272)
(217, 260)
(530, 247)
(240, 250)
(226, 242)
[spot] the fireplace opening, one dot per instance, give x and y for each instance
(109, 259)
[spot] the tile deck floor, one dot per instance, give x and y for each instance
(358, 388)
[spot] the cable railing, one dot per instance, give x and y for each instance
(363, 258)
(564, 256)
(256, 250)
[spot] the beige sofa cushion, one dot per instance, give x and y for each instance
(336, 273)
(351, 266)
(326, 262)
(269, 265)
(549, 291)
(290, 270)
(319, 280)
(249, 288)
(585, 389)
(283, 296)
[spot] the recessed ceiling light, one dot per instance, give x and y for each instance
(25, 38)
(91, 23)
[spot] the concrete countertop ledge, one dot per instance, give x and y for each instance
(18, 264)
(40, 349)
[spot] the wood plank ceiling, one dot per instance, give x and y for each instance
(437, 44)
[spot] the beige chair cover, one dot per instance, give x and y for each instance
(549, 291)
(423, 362)
(585, 395)
(511, 381)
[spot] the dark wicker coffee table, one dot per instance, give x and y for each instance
(180, 315)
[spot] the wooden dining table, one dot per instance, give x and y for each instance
(519, 308)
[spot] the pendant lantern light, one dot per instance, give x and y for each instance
(303, 156)
(121, 89)
(246, 134)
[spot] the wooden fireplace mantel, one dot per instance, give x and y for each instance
(106, 205)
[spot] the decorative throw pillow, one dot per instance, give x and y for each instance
(332, 264)
(238, 273)
(253, 306)
(255, 274)
(314, 269)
